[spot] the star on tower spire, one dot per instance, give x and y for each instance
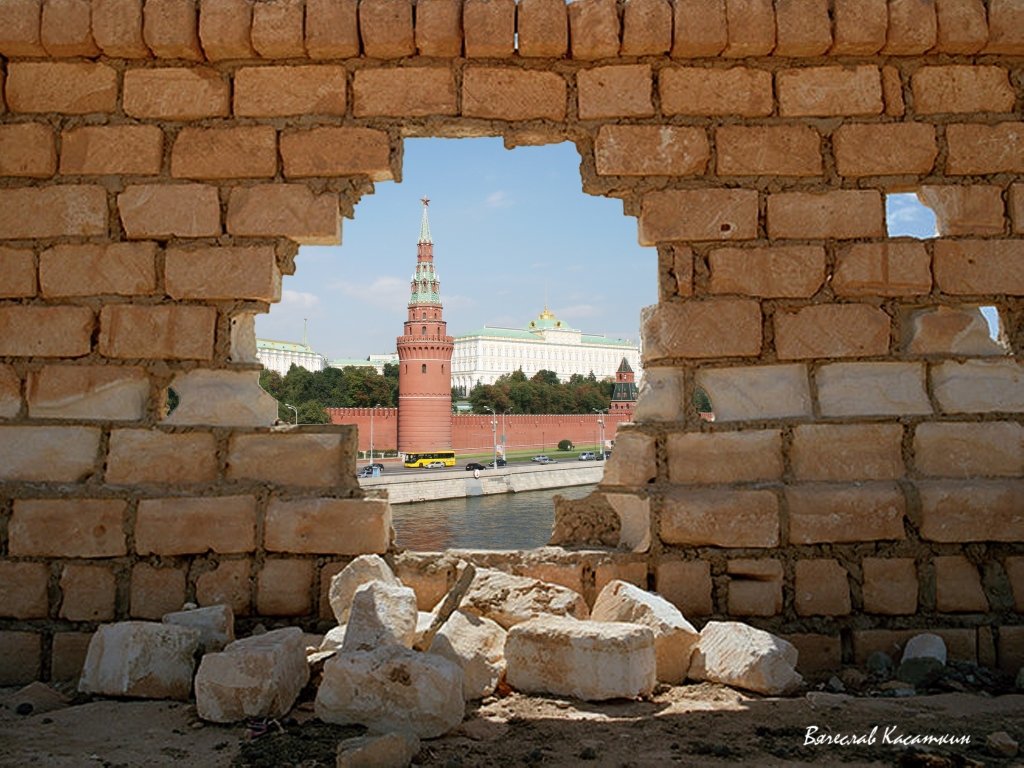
(425, 223)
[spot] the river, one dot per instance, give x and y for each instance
(501, 521)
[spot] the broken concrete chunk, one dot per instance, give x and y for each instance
(381, 614)
(258, 676)
(35, 699)
(591, 660)
(477, 645)
(392, 688)
(424, 623)
(141, 659)
(735, 654)
(674, 637)
(334, 639)
(924, 658)
(391, 750)
(215, 624)
(509, 600)
(362, 570)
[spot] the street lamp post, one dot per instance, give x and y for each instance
(296, 413)
(494, 433)
(600, 424)
(372, 412)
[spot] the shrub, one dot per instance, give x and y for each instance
(565, 445)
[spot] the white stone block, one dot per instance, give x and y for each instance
(222, 399)
(925, 646)
(362, 570)
(215, 624)
(390, 750)
(735, 654)
(509, 600)
(334, 639)
(381, 614)
(477, 645)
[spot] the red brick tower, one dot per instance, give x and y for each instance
(625, 392)
(424, 359)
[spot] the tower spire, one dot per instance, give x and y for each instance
(425, 223)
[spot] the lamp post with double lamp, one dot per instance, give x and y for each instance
(600, 424)
(372, 412)
(296, 410)
(494, 433)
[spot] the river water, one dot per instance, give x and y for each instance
(500, 521)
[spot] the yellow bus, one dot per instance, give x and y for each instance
(432, 460)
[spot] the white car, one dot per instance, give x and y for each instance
(542, 459)
(587, 456)
(435, 465)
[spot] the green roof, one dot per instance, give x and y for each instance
(504, 333)
(588, 339)
(342, 362)
(283, 346)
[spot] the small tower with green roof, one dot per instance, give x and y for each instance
(625, 392)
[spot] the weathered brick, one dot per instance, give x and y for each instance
(18, 266)
(961, 89)
(406, 91)
(332, 29)
(170, 29)
(882, 269)
(221, 397)
(702, 329)
(65, 28)
(330, 151)
(842, 214)
(837, 514)
(277, 29)
(27, 149)
(773, 150)
(890, 585)
(593, 29)
(225, 28)
(169, 210)
(892, 92)
(239, 272)
(640, 468)
(971, 510)
(284, 588)
(285, 91)
(1015, 575)
(107, 150)
(157, 332)
(965, 210)
(328, 526)
(52, 454)
(155, 591)
(686, 584)
(87, 392)
(701, 91)
(979, 386)
(143, 456)
(67, 528)
(817, 653)
(872, 389)
(650, 150)
(962, 26)
(489, 26)
(1016, 207)
(881, 150)
(946, 330)
(698, 214)
(71, 209)
(178, 93)
(10, 390)
(23, 590)
(284, 210)
(616, 91)
(757, 392)
(795, 271)
(755, 587)
(802, 27)
(543, 28)
(646, 28)
(961, 644)
(976, 149)
(225, 153)
(821, 588)
(721, 518)
(20, 22)
(89, 270)
(724, 457)
(1005, 27)
(89, 593)
(831, 330)
(504, 94)
(958, 586)
(291, 459)
(21, 657)
(184, 526)
(829, 91)
(386, 28)
(844, 452)
(117, 28)
(1011, 641)
(230, 583)
(912, 27)
(40, 331)
(439, 28)
(68, 655)
(751, 26)
(980, 266)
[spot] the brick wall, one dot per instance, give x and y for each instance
(160, 160)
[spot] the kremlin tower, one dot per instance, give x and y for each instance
(424, 359)
(624, 394)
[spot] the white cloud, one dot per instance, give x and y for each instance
(498, 199)
(298, 299)
(906, 215)
(386, 292)
(578, 311)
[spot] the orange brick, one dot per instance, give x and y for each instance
(606, 572)
(724, 457)
(182, 526)
(686, 584)
(650, 150)
(1017, 207)
(89, 593)
(386, 28)
(698, 214)
(699, 29)
(65, 28)
(879, 150)
(882, 269)
(504, 94)
(829, 91)
(18, 266)
(832, 330)
(963, 210)
(225, 153)
(701, 91)
(285, 91)
(751, 26)
(618, 91)
(143, 456)
(837, 514)
(489, 26)
(319, 460)
(842, 214)
(68, 656)
(776, 150)
(232, 273)
(117, 28)
(170, 29)
(976, 149)
(980, 266)
(164, 210)
(23, 590)
(123, 269)
(38, 331)
(978, 386)
(678, 272)
(966, 450)
(594, 29)
(912, 27)
(155, 591)
(71, 209)
(284, 588)
(180, 93)
(284, 210)
(439, 28)
(98, 150)
(330, 151)
(543, 28)
(795, 271)
(703, 329)
(946, 330)
(972, 510)
(961, 89)
(1015, 574)
(71, 88)
(802, 28)
(845, 452)
(892, 92)
(21, 657)
(412, 91)
(641, 468)
(20, 22)
(10, 389)
(328, 526)
(53, 454)
(721, 518)
(860, 26)
(646, 28)
(755, 587)
(821, 588)
(890, 585)
(67, 528)
(958, 586)
(277, 29)
(1011, 649)
(1005, 27)
(157, 332)
(962, 26)
(107, 392)
(817, 653)
(228, 583)
(225, 29)
(332, 29)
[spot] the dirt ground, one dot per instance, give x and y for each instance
(692, 725)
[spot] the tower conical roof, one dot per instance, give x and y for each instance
(425, 223)
(624, 367)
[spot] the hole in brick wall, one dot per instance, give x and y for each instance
(702, 404)
(995, 324)
(171, 401)
(906, 216)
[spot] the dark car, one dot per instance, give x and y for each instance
(501, 463)
(376, 465)
(365, 472)
(474, 466)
